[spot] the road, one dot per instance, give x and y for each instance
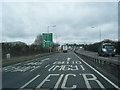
(61, 70)
(116, 57)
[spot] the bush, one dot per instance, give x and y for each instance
(22, 50)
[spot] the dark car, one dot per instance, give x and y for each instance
(107, 49)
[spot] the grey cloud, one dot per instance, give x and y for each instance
(73, 20)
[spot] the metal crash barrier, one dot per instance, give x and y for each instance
(101, 60)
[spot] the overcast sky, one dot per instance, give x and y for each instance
(74, 21)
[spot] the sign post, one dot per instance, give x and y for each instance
(47, 40)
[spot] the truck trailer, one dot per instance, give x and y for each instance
(65, 49)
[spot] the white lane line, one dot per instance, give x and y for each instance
(29, 81)
(47, 66)
(99, 73)
(82, 67)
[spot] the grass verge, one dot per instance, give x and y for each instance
(6, 62)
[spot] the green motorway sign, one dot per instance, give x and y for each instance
(47, 40)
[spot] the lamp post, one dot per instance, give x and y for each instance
(99, 32)
(48, 33)
(49, 27)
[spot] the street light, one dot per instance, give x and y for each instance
(99, 32)
(49, 27)
(48, 32)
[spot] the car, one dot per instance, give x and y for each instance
(107, 49)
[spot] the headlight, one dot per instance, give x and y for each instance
(104, 50)
(114, 50)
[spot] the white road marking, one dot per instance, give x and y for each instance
(59, 80)
(65, 81)
(67, 62)
(17, 63)
(29, 81)
(20, 68)
(60, 62)
(73, 62)
(78, 62)
(7, 67)
(10, 69)
(57, 66)
(47, 66)
(68, 59)
(98, 73)
(45, 59)
(54, 62)
(82, 67)
(94, 78)
(75, 67)
(62, 67)
(34, 63)
(51, 68)
(34, 68)
(46, 79)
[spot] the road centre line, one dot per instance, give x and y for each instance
(29, 81)
(98, 72)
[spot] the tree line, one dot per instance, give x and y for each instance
(94, 47)
(23, 50)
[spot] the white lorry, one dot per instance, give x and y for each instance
(65, 48)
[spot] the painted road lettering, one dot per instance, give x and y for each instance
(64, 79)
(94, 78)
(67, 62)
(46, 79)
(66, 68)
